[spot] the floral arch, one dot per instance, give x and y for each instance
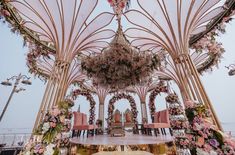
(118, 97)
(152, 96)
(89, 97)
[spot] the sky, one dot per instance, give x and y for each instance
(21, 112)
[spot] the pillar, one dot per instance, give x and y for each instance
(55, 90)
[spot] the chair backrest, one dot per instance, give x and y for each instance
(77, 118)
(157, 117)
(128, 116)
(84, 119)
(161, 117)
(117, 116)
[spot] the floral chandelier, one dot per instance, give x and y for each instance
(120, 65)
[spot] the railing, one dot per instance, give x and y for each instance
(14, 137)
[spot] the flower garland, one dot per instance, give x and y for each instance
(53, 133)
(209, 44)
(116, 98)
(9, 14)
(179, 124)
(205, 138)
(32, 58)
(152, 97)
(89, 97)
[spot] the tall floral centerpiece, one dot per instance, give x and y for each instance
(52, 135)
(179, 124)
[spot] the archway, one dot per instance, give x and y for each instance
(118, 97)
(89, 97)
(152, 96)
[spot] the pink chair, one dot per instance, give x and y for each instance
(117, 118)
(161, 121)
(128, 119)
(87, 127)
(80, 124)
(77, 122)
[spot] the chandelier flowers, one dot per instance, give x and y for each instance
(120, 65)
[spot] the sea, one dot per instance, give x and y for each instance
(18, 136)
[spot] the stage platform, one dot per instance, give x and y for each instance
(128, 139)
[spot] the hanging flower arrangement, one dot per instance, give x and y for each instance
(53, 133)
(89, 97)
(152, 96)
(120, 65)
(118, 6)
(204, 136)
(119, 97)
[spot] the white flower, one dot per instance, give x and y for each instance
(201, 152)
(66, 134)
(212, 152)
(27, 153)
(45, 127)
(49, 149)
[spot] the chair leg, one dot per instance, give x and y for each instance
(155, 132)
(150, 131)
(93, 132)
(84, 132)
(88, 132)
(170, 130)
(162, 131)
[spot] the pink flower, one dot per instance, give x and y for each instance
(189, 104)
(5, 13)
(207, 147)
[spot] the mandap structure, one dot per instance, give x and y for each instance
(78, 42)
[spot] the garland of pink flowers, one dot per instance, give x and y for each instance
(209, 44)
(89, 97)
(32, 57)
(53, 134)
(205, 138)
(16, 23)
(152, 96)
(179, 124)
(119, 97)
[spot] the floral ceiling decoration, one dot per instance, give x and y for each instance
(120, 65)
(179, 124)
(52, 135)
(204, 137)
(89, 97)
(117, 97)
(159, 89)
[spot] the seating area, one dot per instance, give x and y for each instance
(121, 122)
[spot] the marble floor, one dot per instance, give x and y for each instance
(128, 139)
